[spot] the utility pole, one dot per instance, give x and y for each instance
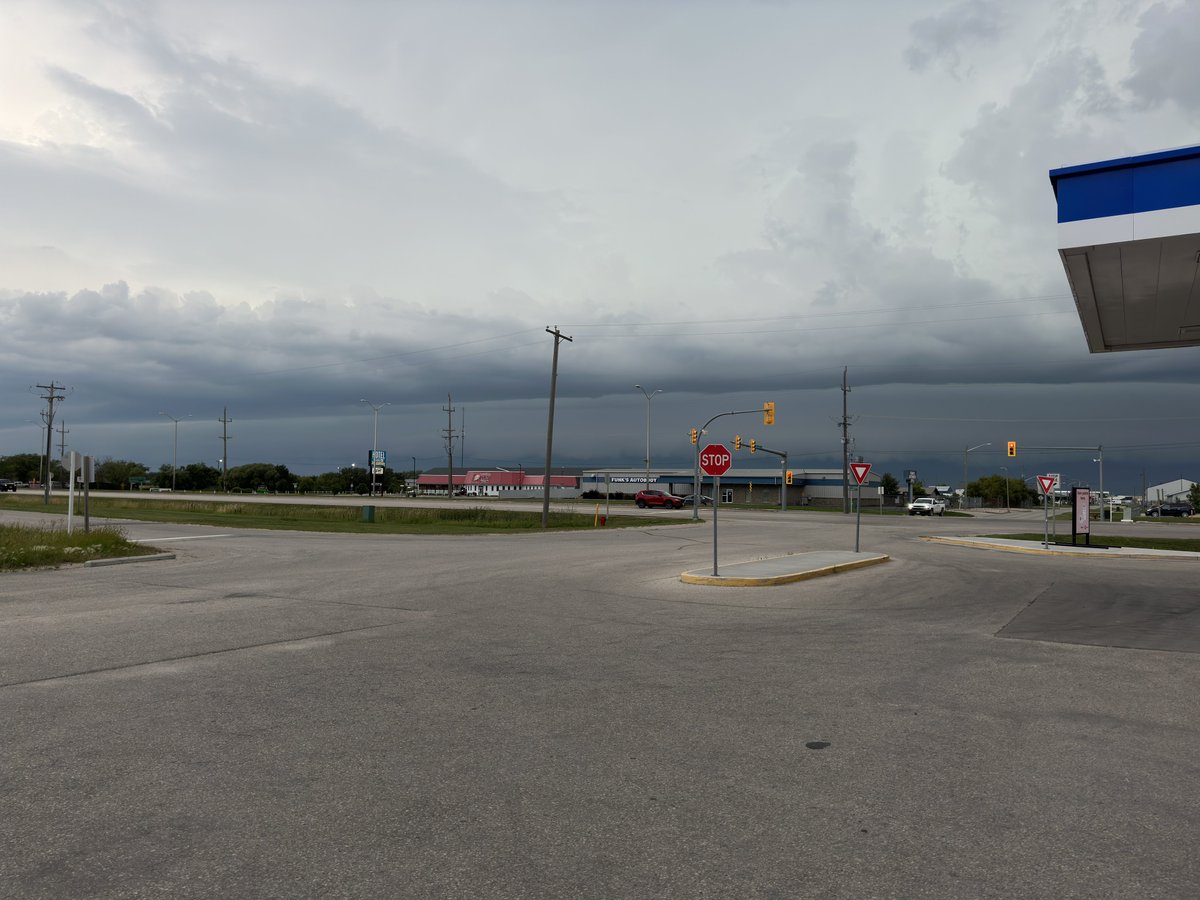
(63, 431)
(53, 394)
(225, 439)
(845, 445)
(448, 409)
(462, 438)
(559, 337)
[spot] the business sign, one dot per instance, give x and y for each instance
(377, 458)
(1082, 510)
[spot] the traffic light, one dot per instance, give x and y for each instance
(769, 412)
(737, 442)
(694, 435)
(787, 477)
(1012, 448)
(753, 445)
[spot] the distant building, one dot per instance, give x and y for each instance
(1169, 491)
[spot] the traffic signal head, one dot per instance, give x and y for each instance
(694, 435)
(753, 445)
(1012, 448)
(769, 412)
(737, 442)
(787, 477)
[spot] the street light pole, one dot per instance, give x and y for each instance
(175, 446)
(965, 452)
(649, 396)
(374, 439)
(1007, 507)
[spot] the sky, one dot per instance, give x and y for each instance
(281, 209)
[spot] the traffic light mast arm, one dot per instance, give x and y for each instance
(702, 430)
(782, 454)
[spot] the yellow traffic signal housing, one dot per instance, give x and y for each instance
(769, 412)
(753, 445)
(694, 435)
(737, 442)
(788, 477)
(1012, 448)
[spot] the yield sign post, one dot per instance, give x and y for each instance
(860, 470)
(715, 460)
(1046, 483)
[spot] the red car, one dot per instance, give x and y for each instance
(660, 499)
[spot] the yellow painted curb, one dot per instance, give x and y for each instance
(767, 580)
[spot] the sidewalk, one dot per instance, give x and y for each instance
(783, 569)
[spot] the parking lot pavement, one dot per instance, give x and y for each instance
(545, 715)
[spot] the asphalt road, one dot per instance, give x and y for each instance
(285, 715)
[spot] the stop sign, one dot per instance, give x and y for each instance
(715, 459)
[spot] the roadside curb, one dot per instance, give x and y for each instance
(121, 560)
(765, 580)
(1038, 550)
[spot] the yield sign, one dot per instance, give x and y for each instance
(1046, 483)
(860, 471)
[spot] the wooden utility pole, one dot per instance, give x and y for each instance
(225, 439)
(559, 337)
(448, 409)
(52, 395)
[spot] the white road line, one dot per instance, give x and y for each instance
(194, 537)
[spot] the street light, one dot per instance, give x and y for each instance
(1007, 507)
(374, 438)
(1100, 460)
(175, 445)
(649, 396)
(965, 452)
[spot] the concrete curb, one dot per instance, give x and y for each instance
(1038, 550)
(698, 577)
(121, 560)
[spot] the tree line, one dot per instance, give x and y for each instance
(123, 474)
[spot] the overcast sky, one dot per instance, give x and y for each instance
(283, 207)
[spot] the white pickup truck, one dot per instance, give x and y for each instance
(927, 506)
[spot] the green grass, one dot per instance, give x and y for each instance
(1189, 545)
(30, 546)
(462, 519)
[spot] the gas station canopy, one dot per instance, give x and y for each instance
(1129, 239)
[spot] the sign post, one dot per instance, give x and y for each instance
(715, 460)
(860, 470)
(1046, 485)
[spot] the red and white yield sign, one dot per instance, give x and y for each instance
(715, 459)
(860, 471)
(1046, 483)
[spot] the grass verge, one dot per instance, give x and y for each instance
(32, 546)
(1187, 545)
(342, 519)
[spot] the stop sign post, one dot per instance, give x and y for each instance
(715, 460)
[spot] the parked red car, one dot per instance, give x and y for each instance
(661, 499)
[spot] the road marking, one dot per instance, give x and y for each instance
(194, 537)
